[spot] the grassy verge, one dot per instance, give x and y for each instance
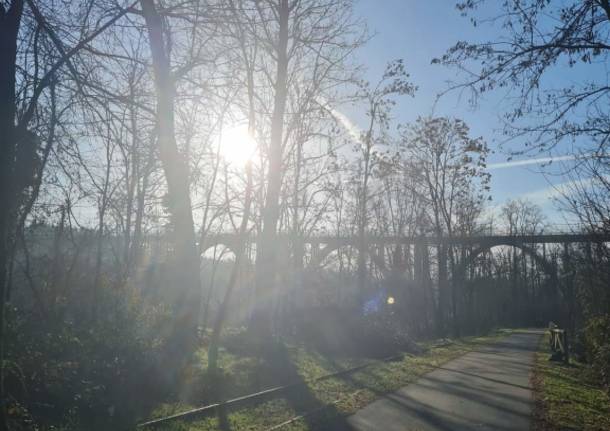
(566, 396)
(325, 404)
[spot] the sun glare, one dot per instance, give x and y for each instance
(237, 146)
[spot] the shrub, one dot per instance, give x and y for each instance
(596, 342)
(349, 332)
(79, 373)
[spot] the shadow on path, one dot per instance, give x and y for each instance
(486, 389)
(300, 397)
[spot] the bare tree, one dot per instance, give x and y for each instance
(295, 52)
(451, 165)
(520, 217)
(537, 38)
(176, 170)
(21, 90)
(379, 99)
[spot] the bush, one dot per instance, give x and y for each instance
(349, 332)
(76, 373)
(596, 342)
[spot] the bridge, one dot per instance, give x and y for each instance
(230, 239)
(317, 248)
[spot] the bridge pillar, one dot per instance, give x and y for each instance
(397, 258)
(407, 261)
(417, 265)
(568, 281)
(422, 291)
(589, 253)
(443, 297)
(380, 253)
(315, 251)
(552, 290)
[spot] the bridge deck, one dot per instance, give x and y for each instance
(432, 240)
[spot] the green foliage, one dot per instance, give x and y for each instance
(567, 397)
(383, 334)
(80, 373)
(340, 332)
(597, 347)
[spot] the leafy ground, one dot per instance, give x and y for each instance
(566, 396)
(321, 404)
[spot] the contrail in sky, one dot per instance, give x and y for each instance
(356, 134)
(538, 161)
(351, 128)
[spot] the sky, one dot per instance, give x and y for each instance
(420, 30)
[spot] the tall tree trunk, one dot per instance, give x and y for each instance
(442, 289)
(10, 20)
(239, 255)
(57, 271)
(297, 245)
(363, 210)
(99, 250)
(456, 280)
(427, 286)
(132, 168)
(266, 260)
(514, 309)
(183, 334)
(143, 177)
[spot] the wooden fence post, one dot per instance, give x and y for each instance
(566, 353)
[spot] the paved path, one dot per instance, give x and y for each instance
(487, 389)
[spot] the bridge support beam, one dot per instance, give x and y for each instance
(418, 257)
(443, 294)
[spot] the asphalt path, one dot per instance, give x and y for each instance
(487, 389)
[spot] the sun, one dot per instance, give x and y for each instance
(237, 145)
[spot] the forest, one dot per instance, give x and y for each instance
(194, 193)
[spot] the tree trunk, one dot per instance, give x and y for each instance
(296, 245)
(99, 250)
(183, 334)
(456, 280)
(427, 286)
(363, 210)
(266, 260)
(442, 289)
(10, 20)
(136, 243)
(239, 255)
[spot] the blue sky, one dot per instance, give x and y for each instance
(418, 31)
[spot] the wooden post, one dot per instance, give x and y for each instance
(566, 349)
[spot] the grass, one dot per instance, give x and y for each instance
(323, 404)
(566, 396)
